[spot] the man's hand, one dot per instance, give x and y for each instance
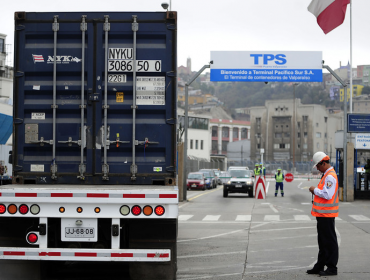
(311, 189)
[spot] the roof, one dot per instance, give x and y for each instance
(230, 121)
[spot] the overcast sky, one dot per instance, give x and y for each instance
(231, 25)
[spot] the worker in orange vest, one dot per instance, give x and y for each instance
(325, 208)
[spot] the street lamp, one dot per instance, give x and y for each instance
(293, 127)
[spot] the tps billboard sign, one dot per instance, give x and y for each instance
(266, 66)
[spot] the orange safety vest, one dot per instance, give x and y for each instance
(322, 207)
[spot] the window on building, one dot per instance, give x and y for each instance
(2, 45)
(236, 132)
(284, 146)
(286, 134)
(224, 146)
(299, 146)
(191, 144)
(305, 118)
(318, 134)
(258, 121)
(276, 126)
(326, 119)
(299, 125)
(299, 135)
(225, 132)
(196, 144)
(215, 146)
(325, 147)
(244, 133)
(317, 124)
(276, 146)
(258, 146)
(198, 123)
(201, 144)
(318, 145)
(214, 131)
(278, 135)
(326, 135)
(305, 146)
(305, 134)
(287, 126)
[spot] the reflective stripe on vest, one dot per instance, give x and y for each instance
(257, 172)
(279, 178)
(326, 208)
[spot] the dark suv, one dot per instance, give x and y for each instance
(241, 181)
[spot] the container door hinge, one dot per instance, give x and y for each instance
(42, 229)
(19, 74)
(115, 230)
(171, 121)
(171, 74)
(17, 121)
(170, 169)
(17, 168)
(19, 27)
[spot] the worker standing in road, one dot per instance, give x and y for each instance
(279, 177)
(325, 208)
(257, 170)
(263, 169)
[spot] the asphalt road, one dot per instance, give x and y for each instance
(239, 237)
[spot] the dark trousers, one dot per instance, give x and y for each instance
(328, 244)
(281, 186)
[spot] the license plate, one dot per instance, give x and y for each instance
(79, 232)
(194, 185)
(238, 186)
(78, 229)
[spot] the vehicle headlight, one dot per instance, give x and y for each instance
(249, 182)
(229, 182)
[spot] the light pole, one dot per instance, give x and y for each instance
(293, 127)
(186, 122)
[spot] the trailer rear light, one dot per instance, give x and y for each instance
(148, 210)
(2, 208)
(79, 209)
(159, 210)
(32, 238)
(97, 210)
(23, 209)
(35, 209)
(62, 209)
(136, 210)
(12, 209)
(124, 210)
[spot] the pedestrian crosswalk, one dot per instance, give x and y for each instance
(263, 218)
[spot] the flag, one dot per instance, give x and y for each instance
(329, 13)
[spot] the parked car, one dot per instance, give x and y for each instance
(196, 181)
(217, 173)
(241, 181)
(211, 176)
(207, 179)
(224, 177)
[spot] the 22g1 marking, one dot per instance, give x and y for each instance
(119, 65)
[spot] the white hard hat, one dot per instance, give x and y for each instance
(319, 156)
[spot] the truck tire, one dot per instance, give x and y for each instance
(250, 193)
(226, 193)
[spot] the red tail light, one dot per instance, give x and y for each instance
(2, 208)
(32, 238)
(23, 209)
(159, 210)
(136, 210)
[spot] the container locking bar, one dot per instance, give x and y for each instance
(55, 28)
(70, 142)
(42, 141)
(106, 28)
(133, 168)
(82, 166)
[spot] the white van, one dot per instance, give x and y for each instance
(238, 168)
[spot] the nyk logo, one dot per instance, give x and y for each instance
(60, 59)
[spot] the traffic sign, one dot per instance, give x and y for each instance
(362, 142)
(358, 123)
(289, 177)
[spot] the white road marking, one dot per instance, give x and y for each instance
(266, 203)
(212, 236)
(185, 217)
(211, 255)
(299, 184)
(278, 229)
(272, 217)
(273, 208)
(243, 218)
(306, 203)
(359, 217)
(302, 218)
(211, 218)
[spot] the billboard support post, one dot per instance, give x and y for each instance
(345, 130)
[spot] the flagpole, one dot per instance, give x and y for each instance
(350, 19)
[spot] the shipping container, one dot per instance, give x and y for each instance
(94, 141)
